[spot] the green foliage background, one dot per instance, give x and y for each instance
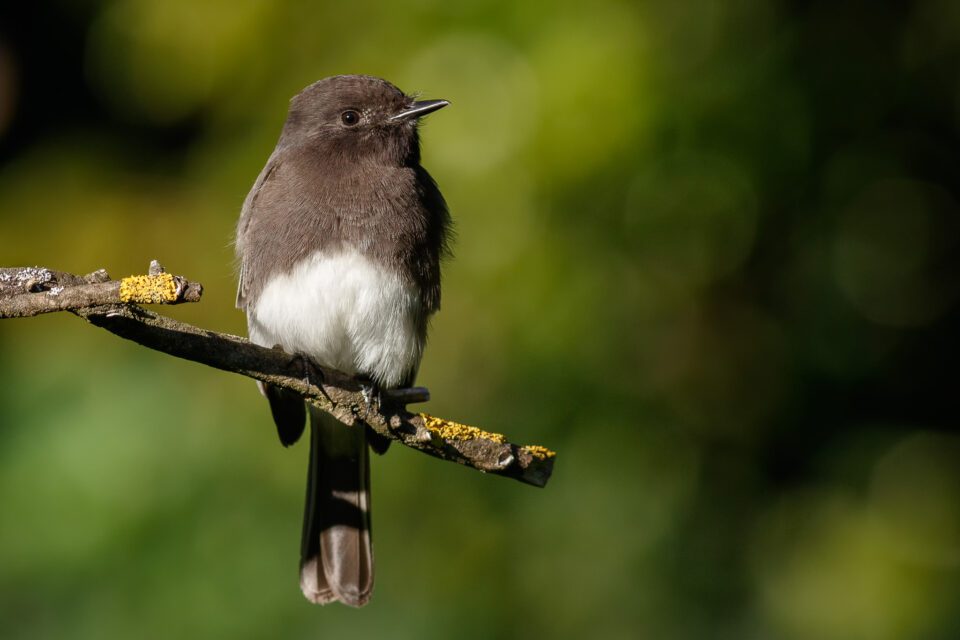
(706, 251)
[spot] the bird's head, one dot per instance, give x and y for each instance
(358, 118)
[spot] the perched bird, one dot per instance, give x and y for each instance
(339, 244)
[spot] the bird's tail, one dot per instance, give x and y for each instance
(336, 553)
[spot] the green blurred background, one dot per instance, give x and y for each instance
(707, 251)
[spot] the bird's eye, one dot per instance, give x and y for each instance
(350, 117)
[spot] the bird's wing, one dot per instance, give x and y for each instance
(438, 242)
(247, 213)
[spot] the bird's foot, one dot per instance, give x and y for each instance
(312, 374)
(372, 395)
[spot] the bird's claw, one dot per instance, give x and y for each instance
(371, 395)
(310, 372)
(313, 375)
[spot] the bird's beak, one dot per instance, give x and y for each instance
(419, 109)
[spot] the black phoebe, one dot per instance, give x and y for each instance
(339, 244)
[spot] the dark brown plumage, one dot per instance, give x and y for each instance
(339, 243)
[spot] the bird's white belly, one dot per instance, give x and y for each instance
(345, 312)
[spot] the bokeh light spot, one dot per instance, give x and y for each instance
(915, 491)
(493, 93)
(885, 251)
(691, 219)
(162, 61)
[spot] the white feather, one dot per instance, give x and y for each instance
(345, 312)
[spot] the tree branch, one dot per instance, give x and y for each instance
(30, 291)
(109, 304)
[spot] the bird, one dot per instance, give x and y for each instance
(339, 245)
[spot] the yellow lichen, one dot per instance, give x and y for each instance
(450, 430)
(148, 289)
(539, 452)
